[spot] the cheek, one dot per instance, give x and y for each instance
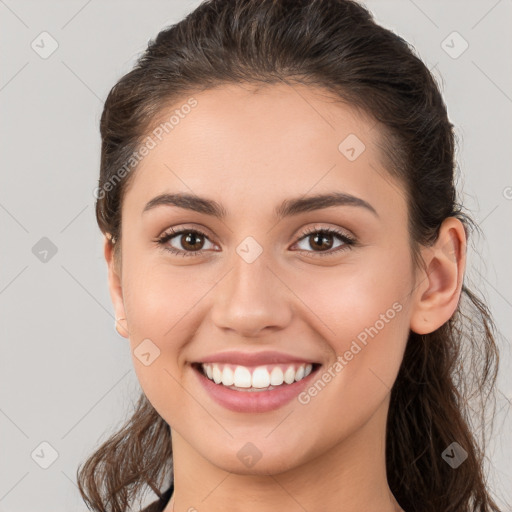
(159, 302)
(363, 314)
(367, 317)
(351, 298)
(159, 297)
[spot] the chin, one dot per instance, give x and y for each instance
(248, 460)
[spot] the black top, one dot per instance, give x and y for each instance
(160, 504)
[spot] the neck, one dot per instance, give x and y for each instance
(350, 476)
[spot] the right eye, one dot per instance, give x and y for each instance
(193, 237)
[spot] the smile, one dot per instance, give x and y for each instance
(265, 377)
(254, 389)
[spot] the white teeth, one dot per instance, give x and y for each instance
(300, 373)
(260, 378)
(217, 375)
(227, 376)
(242, 377)
(276, 377)
(289, 375)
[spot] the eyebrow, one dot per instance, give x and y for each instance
(288, 207)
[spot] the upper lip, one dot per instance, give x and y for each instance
(254, 358)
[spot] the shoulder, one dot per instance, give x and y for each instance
(159, 505)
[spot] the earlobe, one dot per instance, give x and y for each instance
(115, 289)
(439, 284)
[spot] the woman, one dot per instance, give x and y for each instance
(286, 257)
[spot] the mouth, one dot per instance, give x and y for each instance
(255, 378)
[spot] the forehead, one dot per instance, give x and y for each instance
(247, 146)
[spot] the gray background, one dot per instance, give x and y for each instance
(66, 376)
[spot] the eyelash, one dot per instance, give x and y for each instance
(348, 242)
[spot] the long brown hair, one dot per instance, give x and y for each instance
(336, 45)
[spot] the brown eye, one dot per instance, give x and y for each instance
(186, 242)
(321, 241)
(192, 240)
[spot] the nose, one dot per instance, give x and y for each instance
(252, 300)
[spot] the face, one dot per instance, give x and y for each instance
(325, 284)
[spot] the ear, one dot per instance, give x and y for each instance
(115, 288)
(439, 283)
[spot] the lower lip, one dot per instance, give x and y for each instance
(253, 401)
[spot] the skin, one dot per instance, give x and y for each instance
(249, 150)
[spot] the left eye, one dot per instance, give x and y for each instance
(324, 240)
